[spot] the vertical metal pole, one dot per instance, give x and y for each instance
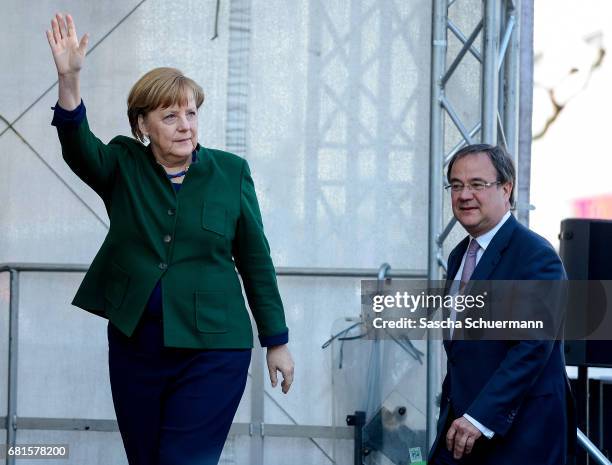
(490, 75)
(257, 406)
(511, 83)
(587, 430)
(436, 183)
(11, 411)
(525, 105)
(357, 421)
(600, 414)
(581, 393)
(315, 96)
(236, 139)
(236, 126)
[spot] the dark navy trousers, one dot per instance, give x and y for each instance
(173, 406)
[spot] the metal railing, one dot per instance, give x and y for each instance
(592, 449)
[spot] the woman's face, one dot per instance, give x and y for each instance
(173, 131)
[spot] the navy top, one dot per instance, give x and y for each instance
(62, 117)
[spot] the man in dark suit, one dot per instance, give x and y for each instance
(502, 402)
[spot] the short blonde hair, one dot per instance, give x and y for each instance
(160, 87)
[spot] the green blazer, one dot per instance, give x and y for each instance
(193, 240)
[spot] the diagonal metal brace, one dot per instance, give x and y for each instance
(462, 52)
(455, 118)
(463, 39)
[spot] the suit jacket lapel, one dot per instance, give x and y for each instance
(454, 262)
(495, 249)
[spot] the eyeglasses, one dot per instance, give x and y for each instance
(473, 186)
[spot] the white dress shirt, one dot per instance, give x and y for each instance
(483, 241)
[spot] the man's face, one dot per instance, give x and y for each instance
(478, 211)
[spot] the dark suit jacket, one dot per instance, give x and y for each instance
(192, 241)
(518, 389)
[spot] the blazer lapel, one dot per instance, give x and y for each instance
(197, 179)
(202, 163)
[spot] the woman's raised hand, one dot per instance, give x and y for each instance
(68, 52)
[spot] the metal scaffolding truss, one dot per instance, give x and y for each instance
(498, 63)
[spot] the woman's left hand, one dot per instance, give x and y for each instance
(279, 358)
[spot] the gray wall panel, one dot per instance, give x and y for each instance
(236, 451)
(277, 451)
(63, 352)
(312, 306)
(40, 142)
(40, 219)
(25, 59)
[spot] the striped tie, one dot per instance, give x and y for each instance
(470, 263)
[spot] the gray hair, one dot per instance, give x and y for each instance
(503, 163)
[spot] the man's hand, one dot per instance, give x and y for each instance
(279, 358)
(461, 437)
